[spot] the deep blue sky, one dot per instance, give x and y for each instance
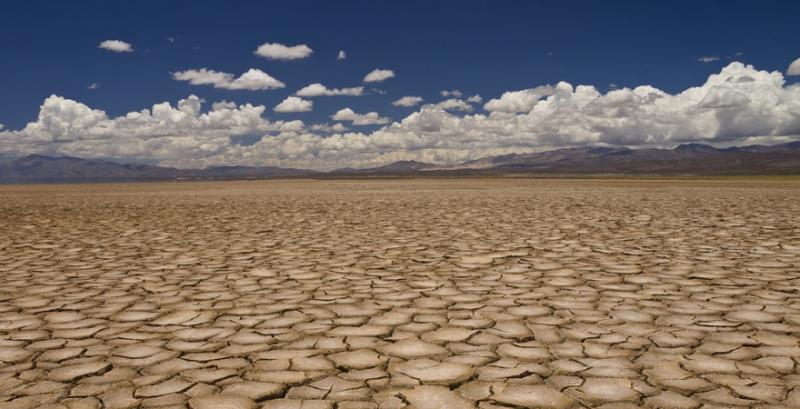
(478, 47)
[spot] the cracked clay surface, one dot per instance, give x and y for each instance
(401, 294)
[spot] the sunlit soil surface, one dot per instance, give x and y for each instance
(401, 294)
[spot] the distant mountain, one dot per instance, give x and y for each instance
(49, 169)
(691, 158)
(686, 159)
(403, 166)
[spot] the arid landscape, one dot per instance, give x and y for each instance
(456, 204)
(434, 293)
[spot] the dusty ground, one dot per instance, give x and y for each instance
(401, 294)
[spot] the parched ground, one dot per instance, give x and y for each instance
(401, 294)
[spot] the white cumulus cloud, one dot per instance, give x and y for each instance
(181, 135)
(223, 105)
(319, 90)
(370, 118)
(378, 75)
(475, 99)
(294, 104)
(453, 104)
(277, 51)
(519, 101)
(337, 127)
(254, 79)
(794, 68)
(116, 46)
(408, 101)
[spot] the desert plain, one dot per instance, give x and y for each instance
(427, 293)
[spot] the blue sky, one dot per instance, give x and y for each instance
(481, 48)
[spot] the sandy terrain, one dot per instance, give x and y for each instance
(401, 294)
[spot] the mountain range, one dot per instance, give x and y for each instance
(54, 169)
(686, 159)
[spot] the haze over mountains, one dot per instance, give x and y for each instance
(687, 159)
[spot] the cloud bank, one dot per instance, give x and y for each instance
(740, 104)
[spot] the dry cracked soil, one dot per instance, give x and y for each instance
(401, 294)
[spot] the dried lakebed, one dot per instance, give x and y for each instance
(401, 294)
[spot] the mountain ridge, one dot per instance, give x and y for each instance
(53, 169)
(689, 158)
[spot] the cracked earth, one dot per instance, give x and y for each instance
(401, 294)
